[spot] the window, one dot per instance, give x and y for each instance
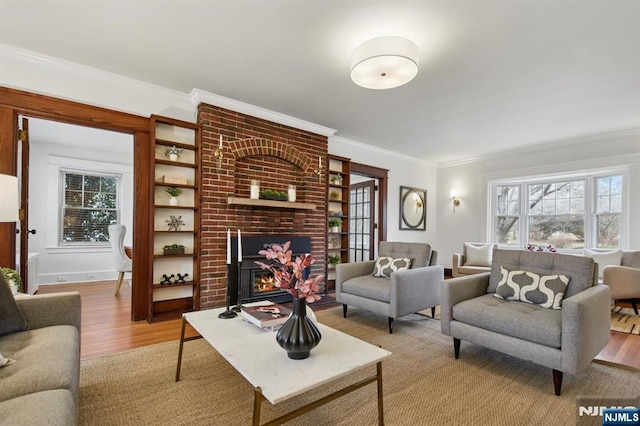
(558, 212)
(89, 204)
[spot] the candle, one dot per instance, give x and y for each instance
(319, 162)
(228, 246)
(239, 247)
(220, 147)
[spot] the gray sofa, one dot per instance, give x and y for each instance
(565, 340)
(405, 292)
(41, 386)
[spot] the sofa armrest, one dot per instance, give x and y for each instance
(586, 327)
(623, 280)
(45, 310)
(415, 289)
(346, 271)
(456, 263)
(457, 290)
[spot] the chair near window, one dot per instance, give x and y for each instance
(474, 259)
(122, 261)
(624, 279)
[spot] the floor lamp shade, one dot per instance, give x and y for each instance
(9, 201)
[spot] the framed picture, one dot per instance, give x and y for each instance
(413, 209)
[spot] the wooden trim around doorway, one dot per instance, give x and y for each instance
(383, 178)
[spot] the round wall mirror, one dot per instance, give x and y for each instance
(413, 208)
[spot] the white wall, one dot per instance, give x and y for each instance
(71, 264)
(469, 222)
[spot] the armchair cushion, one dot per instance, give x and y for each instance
(545, 291)
(603, 259)
(369, 288)
(386, 265)
(478, 254)
(11, 318)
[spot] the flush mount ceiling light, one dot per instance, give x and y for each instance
(384, 63)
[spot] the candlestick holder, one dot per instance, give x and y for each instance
(228, 313)
(238, 306)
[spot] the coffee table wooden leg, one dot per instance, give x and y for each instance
(380, 404)
(257, 401)
(184, 325)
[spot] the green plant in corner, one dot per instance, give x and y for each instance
(12, 277)
(334, 259)
(270, 194)
(335, 223)
(173, 191)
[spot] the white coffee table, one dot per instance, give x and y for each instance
(240, 342)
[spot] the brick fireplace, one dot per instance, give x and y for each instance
(276, 155)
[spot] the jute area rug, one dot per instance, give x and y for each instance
(625, 320)
(423, 384)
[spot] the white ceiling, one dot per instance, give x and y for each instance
(494, 74)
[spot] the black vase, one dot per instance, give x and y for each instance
(299, 334)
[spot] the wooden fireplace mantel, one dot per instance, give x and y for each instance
(239, 201)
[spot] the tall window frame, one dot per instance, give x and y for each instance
(92, 196)
(605, 197)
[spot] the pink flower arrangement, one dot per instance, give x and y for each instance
(548, 248)
(289, 274)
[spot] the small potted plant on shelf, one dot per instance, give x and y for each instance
(173, 249)
(12, 278)
(173, 153)
(174, 192)
(335, 224)
(334, 259)
(335, 179)
(270, 194)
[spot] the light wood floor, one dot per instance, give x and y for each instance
(107, 327)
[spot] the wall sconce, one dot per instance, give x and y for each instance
(454, 197)
(219, 154)
(318, 171)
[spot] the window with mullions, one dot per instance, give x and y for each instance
(89, 204)
(608, 211)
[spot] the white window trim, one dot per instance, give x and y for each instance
(56, 164)
(589, 176)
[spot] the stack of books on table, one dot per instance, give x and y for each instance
(265, 314)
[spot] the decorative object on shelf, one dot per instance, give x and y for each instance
(335, 242)
(166, 279)
(336, 213)
(291, 194)
(174, 192)
(12, 278)
(181, 279)
(299, 334)
(173, 153)
(334, 195)
(219, 153)
(254, 189)
(335, 224)
(173, 249)
(533, 247)
(413, 209)
(334, 259)
(270, 194)
(335, 179)
(318, 171)
(175, 179)
(174, 222)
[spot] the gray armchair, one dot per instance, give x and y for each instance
(405, 292)
(565, 340)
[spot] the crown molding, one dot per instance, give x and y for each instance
(199, 96)
(543, 146)
(364, 146)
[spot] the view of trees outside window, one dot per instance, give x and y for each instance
(89, 205)
(608, 211)
(557, 213)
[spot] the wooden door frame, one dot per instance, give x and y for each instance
(383, 181)
(16, 102)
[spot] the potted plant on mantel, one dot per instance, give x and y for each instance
(335, 224)
(270, 194)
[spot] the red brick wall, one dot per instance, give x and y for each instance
(276, 155)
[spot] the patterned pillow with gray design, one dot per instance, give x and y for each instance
(546, 291)
(386, 265)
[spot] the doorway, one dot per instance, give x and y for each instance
(79, 179)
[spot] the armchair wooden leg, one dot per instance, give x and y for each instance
(433, 312)
(456, 347)
(390, 325)
(119, 283)
(557, 381)
(634, 303)
(344, 310)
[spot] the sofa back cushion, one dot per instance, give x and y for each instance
(419, 253)
(582, 270)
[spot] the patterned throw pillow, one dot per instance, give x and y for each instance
(386, 265)
(546, 291)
